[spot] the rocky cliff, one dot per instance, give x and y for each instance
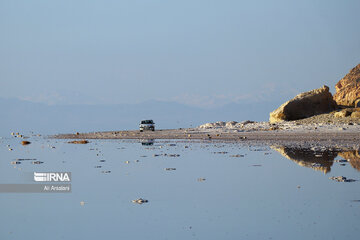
(348, 88)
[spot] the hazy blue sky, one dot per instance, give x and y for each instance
(194, 52)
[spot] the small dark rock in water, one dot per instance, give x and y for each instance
(167, 155)
(79, 142)
(140, 201)
(170, 169)
(37, 162)
(316, 165)
(25, 143)
(341, 161)
(106, 171)
(342, 179)
(173, 155)
(220, 152)
(237, 155)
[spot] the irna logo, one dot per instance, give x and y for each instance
(52, 177)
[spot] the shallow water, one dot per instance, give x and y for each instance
(211, 194)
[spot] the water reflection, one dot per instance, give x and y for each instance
(353, 157)
(321, 158)
(147, 142)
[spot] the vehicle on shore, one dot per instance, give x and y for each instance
(147, 125)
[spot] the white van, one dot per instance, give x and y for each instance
(147, 125)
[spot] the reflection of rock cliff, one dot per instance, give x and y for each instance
(320, 160)
(353, 157)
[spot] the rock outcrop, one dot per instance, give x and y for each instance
(305, 105)
(348, 88)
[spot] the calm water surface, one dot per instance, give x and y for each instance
(262, 193)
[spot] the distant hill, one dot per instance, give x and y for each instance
(24, 116)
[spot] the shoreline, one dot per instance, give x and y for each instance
(300, 137)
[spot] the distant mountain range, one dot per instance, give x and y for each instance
(25, 116)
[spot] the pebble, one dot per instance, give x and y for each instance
(220, 152)
(37, 162)
(341, 161)
(79, 142)
(342, 179)
(172, 155)
(140, 201)
(25, 143)
(170, 169)
(316, 165)
(166, 155)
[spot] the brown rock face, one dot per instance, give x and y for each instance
(305, 105)
(348, 88)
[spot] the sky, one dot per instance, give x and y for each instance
(200, 53)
